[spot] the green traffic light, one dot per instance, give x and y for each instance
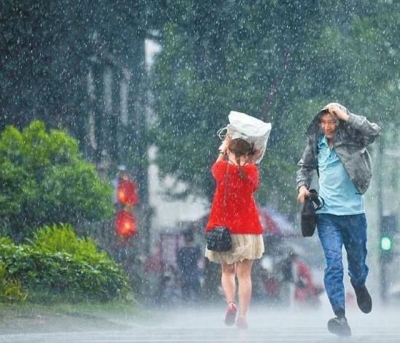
(386, 243)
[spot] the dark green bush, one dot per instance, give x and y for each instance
(44, 180)
(10, 290)
(56, 238)
(59, 266)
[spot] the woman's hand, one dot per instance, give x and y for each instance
(223, 149)
(224, 146)
(257, 155)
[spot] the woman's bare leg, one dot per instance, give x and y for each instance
(228, 281)
(243, 272)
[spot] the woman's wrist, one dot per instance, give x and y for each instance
(221, 156)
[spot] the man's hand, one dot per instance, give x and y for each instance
(303, 194)
(335, 109)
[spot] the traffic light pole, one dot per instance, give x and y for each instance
(384, 281)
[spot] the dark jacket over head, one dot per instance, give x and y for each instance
(351, 141)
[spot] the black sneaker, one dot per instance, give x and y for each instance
(364, 300)
(339, 326)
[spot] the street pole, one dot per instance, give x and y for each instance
(382, 264)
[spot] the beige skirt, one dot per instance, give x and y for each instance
(244, 247)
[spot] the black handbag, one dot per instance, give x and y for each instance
(308, 213)
(219, 239)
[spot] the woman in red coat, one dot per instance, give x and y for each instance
(237, 179)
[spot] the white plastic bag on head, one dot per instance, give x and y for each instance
(251, 129)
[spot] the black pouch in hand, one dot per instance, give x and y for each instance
(308, 213)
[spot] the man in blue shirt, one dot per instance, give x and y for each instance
(336, 152)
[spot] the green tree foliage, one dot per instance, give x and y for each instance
(277, 60)
(247, 59)
(280, 61)
(45, 50)
(44, 180)
(375, 53)
(55, 57)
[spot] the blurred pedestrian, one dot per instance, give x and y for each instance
(237, 179)
(306, 293)
(286, 267)
(336, 152)
(187, 260)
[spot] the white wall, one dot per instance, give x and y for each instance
(168, 213)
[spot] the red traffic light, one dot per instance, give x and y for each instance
(125, 224)
(126, 192)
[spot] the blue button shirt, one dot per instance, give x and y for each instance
(335, 186)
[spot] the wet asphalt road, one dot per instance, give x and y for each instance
(206, 325)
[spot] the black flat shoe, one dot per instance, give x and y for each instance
(339, 326)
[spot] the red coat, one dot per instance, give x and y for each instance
(240, 212)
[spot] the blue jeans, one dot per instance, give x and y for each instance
(334, 232)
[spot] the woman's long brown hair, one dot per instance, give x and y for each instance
(239, 147)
